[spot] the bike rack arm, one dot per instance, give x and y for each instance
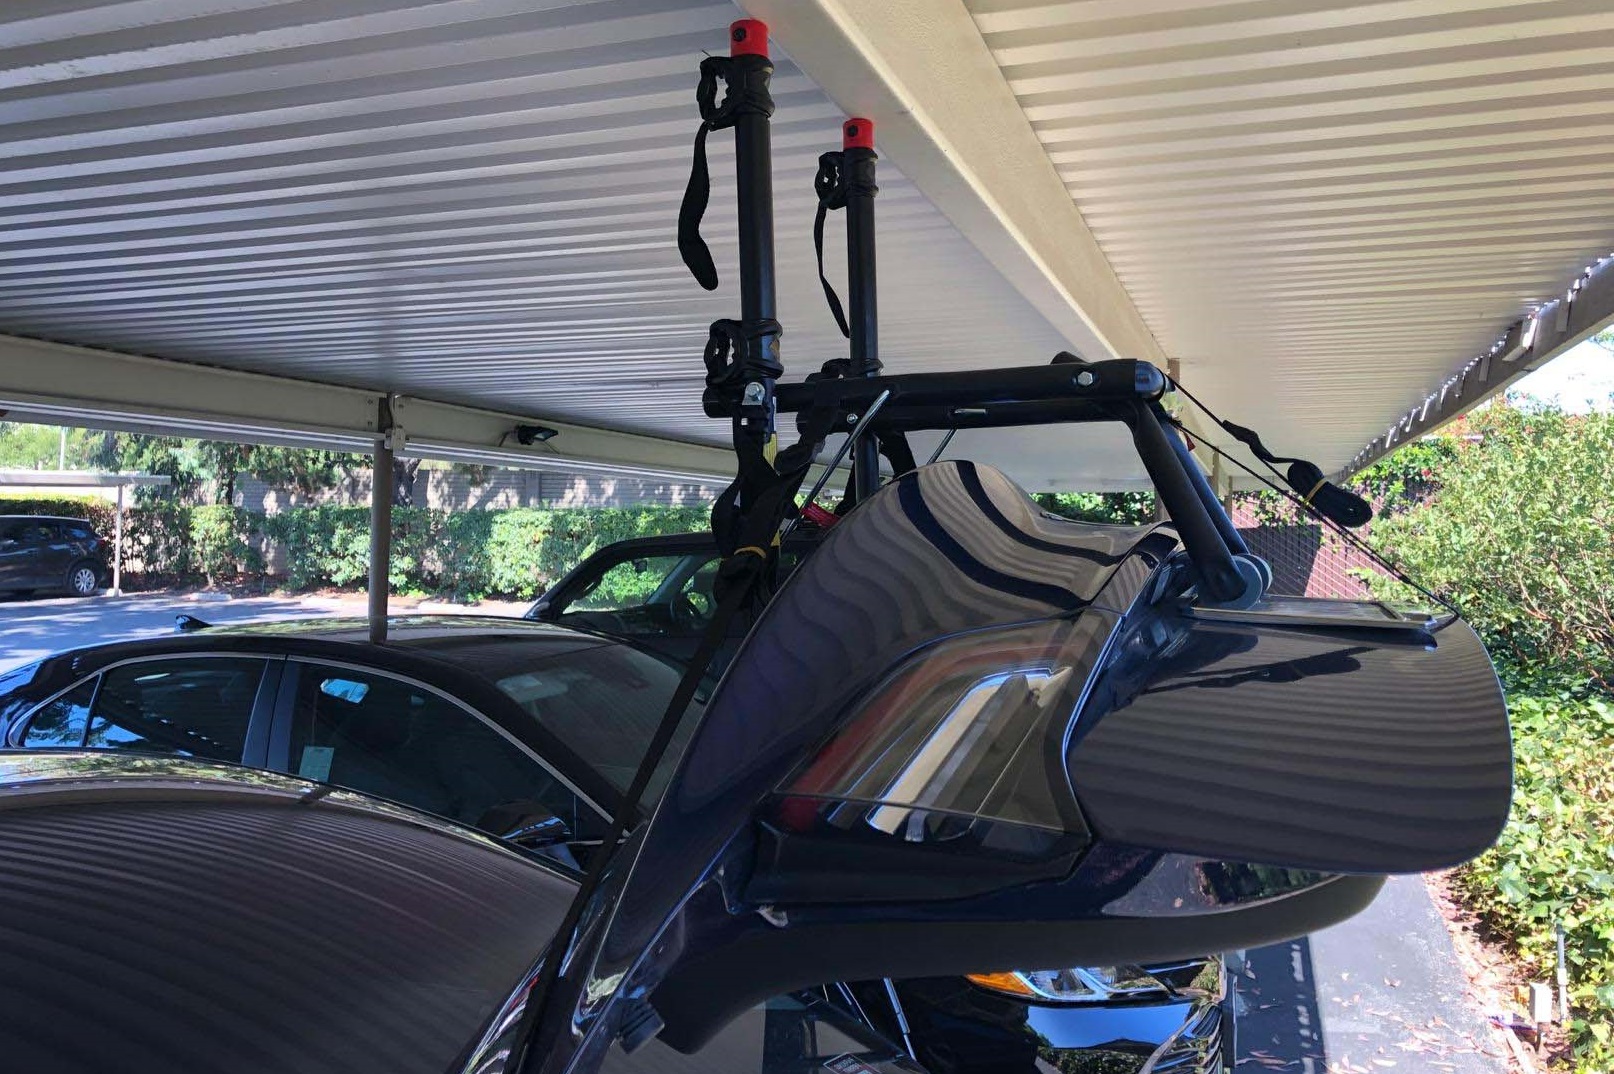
(1120, 390)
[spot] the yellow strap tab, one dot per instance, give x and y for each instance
(755, 550)
(770, 450)
(1314, 489)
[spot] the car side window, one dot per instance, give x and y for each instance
(62, 722)
(370, 732)
(192, 707)
(628, 584)
(38, 533)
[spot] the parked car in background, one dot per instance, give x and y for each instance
(531, 731)
(1178, 1017)
(492, 723)
(39, 552)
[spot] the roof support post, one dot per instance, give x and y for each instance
(117, 545)
(381, 521)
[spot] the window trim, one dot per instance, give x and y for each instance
(257, 714)
(290, 683)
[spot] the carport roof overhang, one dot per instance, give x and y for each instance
(258, 218)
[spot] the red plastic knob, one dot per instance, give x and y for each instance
(748, 37)
(857, 134)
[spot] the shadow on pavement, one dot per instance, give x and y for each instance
(1280, 1026)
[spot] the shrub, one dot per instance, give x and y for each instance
(220, 542)
(469, 554)
(157, 539)
(92, 509)
(1520, 532)
(1554, 863)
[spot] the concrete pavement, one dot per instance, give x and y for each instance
(1380, 993)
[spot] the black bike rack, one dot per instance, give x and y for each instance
(745, 390)
(1069, 391)
(858, 156)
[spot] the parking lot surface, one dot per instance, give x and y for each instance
(30, 629)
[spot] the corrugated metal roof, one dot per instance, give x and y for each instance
(468, 200)
(1322, 207)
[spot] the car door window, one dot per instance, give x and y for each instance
(62, 722)
(629, 584)
(370, 732)
(192, 707)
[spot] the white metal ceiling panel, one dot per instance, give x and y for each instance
(467, 200)
(1323, 207)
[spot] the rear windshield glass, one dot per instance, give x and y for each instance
(604, 702)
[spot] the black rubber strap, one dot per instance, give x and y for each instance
(830, 184)
(741, 98)
(691, 247)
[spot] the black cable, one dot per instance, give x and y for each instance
(1350, 538)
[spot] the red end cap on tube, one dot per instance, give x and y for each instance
(748, 37)
(857, 134)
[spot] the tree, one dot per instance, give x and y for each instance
(1125, 508)
(1519, 530)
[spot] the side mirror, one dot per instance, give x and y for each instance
(540, 610)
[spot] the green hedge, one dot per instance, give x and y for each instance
(468, 554)
(91, 508)
(1515, 520)
(1554, 864)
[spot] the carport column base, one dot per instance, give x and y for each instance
(381, 518)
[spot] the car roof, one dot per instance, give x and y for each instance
(415, 644)
(49, 518)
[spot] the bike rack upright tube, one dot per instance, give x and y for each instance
(857, 151)
(753, 166)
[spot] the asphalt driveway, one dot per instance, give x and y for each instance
(30, 629)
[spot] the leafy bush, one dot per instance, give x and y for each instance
(1520, 532)
(157, 540)
(220, 542)
(92, 509)
(324, 545)
(1125, 508)
(1555, 861)
(469, 554)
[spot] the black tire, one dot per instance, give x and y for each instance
(83, 579)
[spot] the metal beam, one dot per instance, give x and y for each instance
(948, 120)
(1586, 309)
(65, 385)
(380, 580)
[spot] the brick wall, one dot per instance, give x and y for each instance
(1307, 559)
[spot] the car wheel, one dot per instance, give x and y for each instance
(83, 580)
